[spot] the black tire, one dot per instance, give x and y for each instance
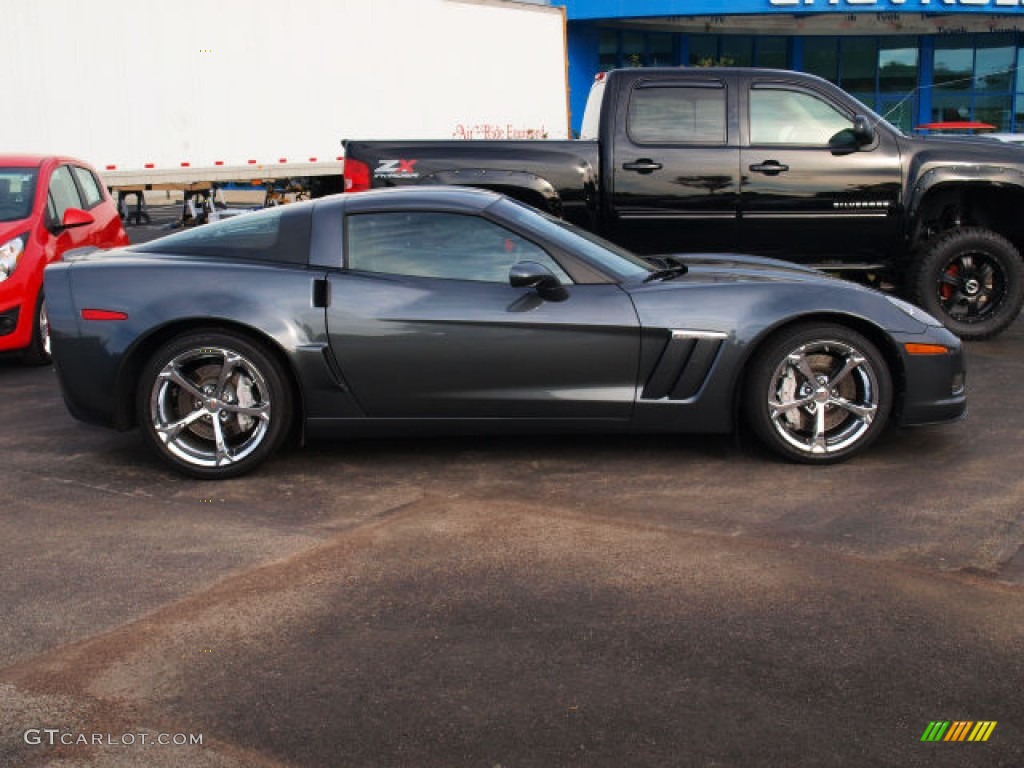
(38, 350)
(970, 279)
(818, 393)
(213, 404)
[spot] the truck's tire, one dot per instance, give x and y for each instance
(971, 279)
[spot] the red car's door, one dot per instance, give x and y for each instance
(73, 186)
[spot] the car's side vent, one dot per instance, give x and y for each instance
(684, 365)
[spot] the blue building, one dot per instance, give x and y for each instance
(913, 61)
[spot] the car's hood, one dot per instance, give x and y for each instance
(9, 229)
(721, 292)
(734, 267)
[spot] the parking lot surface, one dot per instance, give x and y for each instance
(619, 601)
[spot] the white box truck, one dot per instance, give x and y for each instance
(173, 96)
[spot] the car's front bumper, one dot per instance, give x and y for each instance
(934, 386)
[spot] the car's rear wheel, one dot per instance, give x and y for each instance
(214, 405)
(38, 351)
(818, 393)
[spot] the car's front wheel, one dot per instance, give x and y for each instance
(213, 404)
(38, 350)
(818, 393)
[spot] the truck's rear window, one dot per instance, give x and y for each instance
(677, 114)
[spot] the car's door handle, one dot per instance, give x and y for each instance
(643, 165)
(769, 168)
(321, 293)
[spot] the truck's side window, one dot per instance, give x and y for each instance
(780, 116)
(677, 115)
(445, 245)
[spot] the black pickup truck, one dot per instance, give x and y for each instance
(759, 161)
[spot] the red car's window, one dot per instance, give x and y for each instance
(17, 190)
(63, 193)
(89, 186)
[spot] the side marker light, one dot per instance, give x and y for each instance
(925, 349)
(103, 314)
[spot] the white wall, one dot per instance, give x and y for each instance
(125, 83)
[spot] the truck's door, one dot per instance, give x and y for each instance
(674, 176)
(808, 190)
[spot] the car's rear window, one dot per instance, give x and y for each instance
(17, 190)
(275, 234)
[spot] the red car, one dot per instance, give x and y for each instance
(48, 205)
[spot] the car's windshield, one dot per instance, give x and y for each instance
(17, 190)
(608, 257)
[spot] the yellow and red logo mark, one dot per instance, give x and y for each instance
(958, 730)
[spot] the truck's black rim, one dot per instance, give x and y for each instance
(971, 287)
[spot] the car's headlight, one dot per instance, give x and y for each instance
(915, 312)
(10, 253)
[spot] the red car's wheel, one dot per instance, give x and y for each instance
(38, 351)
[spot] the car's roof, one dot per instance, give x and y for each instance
(447, 197)
(27, 161)
(34, 161)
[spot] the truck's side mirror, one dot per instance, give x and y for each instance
(531, 274)
(863, 132)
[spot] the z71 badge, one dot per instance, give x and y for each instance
(396, 169)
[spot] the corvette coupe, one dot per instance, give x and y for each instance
(450, 310)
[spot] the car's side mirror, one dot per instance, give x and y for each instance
(76, 217)
(863, 132)
(530, 274)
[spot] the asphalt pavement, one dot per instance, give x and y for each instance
(621, 601)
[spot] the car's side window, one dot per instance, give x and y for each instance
(89, 186)
(677, 115)
(63, 194)
(446, 245)
(779, 116)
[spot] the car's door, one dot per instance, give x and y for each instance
(424, 324)
(107, 232)
(62, 194)
(675, 166)
(808, 191)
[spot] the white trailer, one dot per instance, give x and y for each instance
(166, 95)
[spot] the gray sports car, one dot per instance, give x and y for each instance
(430, 310)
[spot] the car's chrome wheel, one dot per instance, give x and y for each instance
(819, 394)
(39, 350)
(214, 405)
(44, 329)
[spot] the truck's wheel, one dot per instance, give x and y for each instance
(818, 393)
(971, 280)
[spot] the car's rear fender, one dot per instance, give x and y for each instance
(128, 375)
